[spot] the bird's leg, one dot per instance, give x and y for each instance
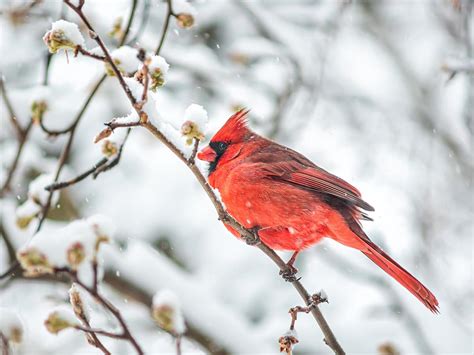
(291, 271)
(255, 239)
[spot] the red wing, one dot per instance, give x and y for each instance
(317, 179)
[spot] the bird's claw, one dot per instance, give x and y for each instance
(289, 274)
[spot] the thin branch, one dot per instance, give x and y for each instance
(63, 184)
(315, 300)
(11, 112)
(90, 336)
(5, 344)
(65, 153)
(85, 52)
(11, 171)
(114, 161)
(127, 335)
(166, 24)
(78, 10)
(129, 23)
(178, 344)
(100, 332)
(192, 157)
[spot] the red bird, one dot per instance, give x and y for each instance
(291, 202)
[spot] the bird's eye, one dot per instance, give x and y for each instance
(219, 147)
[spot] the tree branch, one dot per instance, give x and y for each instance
(11, 112)
(169, 14)
(126, 334)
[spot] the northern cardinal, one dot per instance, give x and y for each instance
(291, 202)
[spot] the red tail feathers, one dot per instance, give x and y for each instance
(391, 267)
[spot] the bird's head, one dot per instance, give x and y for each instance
(233, 132)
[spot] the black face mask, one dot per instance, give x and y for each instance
(219, 148)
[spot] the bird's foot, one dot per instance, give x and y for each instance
(289, 274)
(255, 239)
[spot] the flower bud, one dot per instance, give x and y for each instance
(77, 303)
(63, 35)
(16, 335)
(287, 341)
(117, 31)
(387, 349)
(24, 222)
(38, 108)
(185, 20)
(75, 254)
(167, 313)
(109, 148)
(56, 323)
(195, 122)
(11, 326)
(34, 262)
(190, 130)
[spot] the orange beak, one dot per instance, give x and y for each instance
(207, 154)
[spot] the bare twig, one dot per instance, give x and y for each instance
(63, 184)
(192, 157)
(129, 23)
(126, 334)
(78, 10)
(314, 301)
(115, 160)
(100, 332)
(11, 171)
(5, 344)
(11, 112)
(166, 24)
(178, 344)
(65, 153)
(83, 51)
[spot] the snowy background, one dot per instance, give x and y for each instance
(369, 90)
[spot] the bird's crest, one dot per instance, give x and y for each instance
(235, 129)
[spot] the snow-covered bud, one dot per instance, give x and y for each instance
(34, 262)
(109, 148)
(77, 303)
(63, 35)
(57, 321)
(11, 326)
(117, 31)
(126, 60)
(191, 130)
(195, 122)
(167, 313)
(287, 341)
(76, 254)
(158, 69)
(26, 213)
(38, 108)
